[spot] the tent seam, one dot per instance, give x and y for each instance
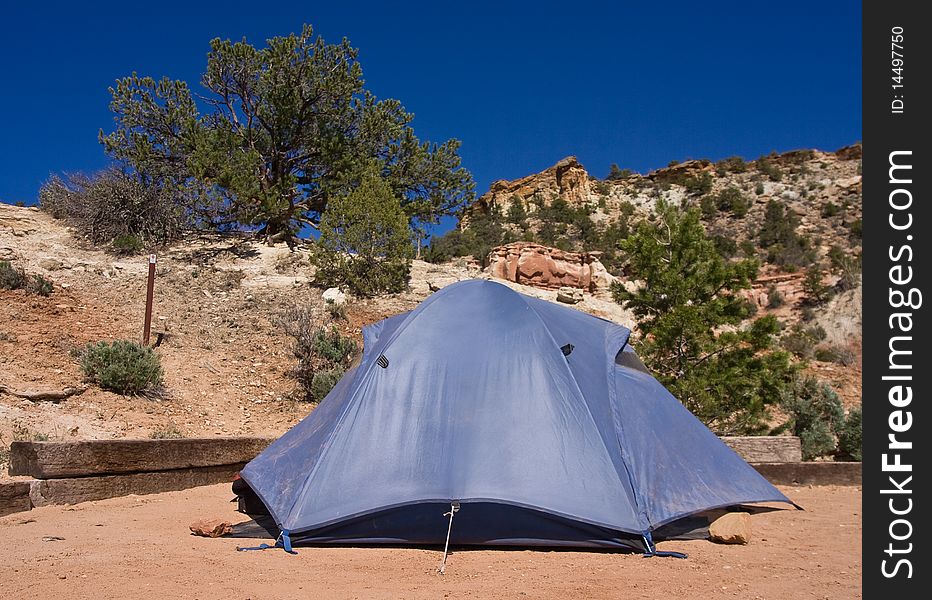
(619, 430)
(566, 364)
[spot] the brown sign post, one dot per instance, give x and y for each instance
(150, 287)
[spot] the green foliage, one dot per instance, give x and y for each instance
(127, 243)
(517, 214)
(801, 340)
(616, 174)
(725, 245)
(690, 321)
(364, 241)
(323, 353)
(856, 228)
(323, 381)
(774, 297)
(122, 367)
(785, 246)
(816, 292)
(485, 232)
(732, 164)
(836, 354)
(759, 188)
(849, 437)
(815, 415)
(288, 127)
(708, 205)
(729, 199)
(559, 225)
(40, 285)
(769, 169)
(332, 346)
(336, 311)
(849, 267)
(13, 278)
(830, 209)
(697, 185)
(117, 208)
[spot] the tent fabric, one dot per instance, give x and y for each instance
(470, 398)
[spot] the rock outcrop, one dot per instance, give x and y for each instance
(549, 268)
(567, 179)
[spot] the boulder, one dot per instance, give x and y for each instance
(569, 295)
(334, 296)
(731, 528)
(210, 527)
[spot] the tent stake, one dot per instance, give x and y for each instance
(454, 507)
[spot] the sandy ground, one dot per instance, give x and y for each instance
(140, 547)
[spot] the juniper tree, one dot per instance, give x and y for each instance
(285, 128)
(364, 240)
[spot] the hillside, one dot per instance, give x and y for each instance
(795, 212)
(822, 188)
(218, 300)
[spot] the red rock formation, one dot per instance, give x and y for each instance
(549, 268)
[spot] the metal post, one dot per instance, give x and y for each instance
(149, 290)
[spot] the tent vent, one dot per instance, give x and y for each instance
(382, 361)
(567, 349)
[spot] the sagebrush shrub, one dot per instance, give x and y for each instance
(40, 285)
(849, 437)
(11, 278)
(815, 415)
(127, 243)
(324, 381)
(122, 367)
(323, 353)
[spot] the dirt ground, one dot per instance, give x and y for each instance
(140, 547)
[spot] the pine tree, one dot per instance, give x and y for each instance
(692, 324)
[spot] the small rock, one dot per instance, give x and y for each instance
(731, 528)
(569, 295)
(210, 527)
(51, 264)
(334, 296)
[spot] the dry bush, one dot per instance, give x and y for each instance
(113, 205)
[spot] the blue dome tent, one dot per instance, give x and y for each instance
(536, 421)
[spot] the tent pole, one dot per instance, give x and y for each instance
(454, 507)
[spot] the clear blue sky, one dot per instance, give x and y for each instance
(638, 84)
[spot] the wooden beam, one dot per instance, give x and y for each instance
(811, 473)
(84, 489)
(14, 497)
(51, 460)
(764, 448)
